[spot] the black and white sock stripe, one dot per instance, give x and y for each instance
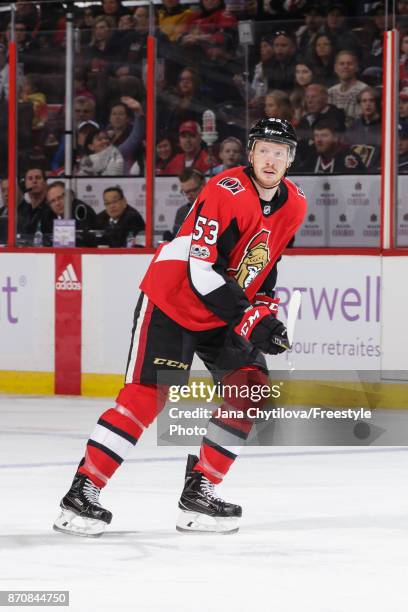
(113, 441)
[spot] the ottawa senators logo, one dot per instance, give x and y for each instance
(254, 260)
(232, 184)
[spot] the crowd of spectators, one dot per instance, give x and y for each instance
(318, 65)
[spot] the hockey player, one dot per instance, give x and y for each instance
(210, 292)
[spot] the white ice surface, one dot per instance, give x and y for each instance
(324, 530)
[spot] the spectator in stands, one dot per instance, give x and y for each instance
(218, 72)
(113, 9)
(183, 103)
(126, 23)
(4, 73)
(344, 95)
(80, 86)
(31, 209)
(403, 63)
(339, 30)
(403, 106)
(88, 21)
(280, 72)
(372, 33)
(4, 197)
(259, 84)
(231, 154)
(164, 153)
(29, 92)
(28, 13)
(277, 104)
(101, 157)
(84, 114)
(133, 45)
(192, 153)
(118, 220)
(318, 108)
(102, 53)
(403, 149)
(303, 77)
(173, 17)
(126, 129)
(329, 154)
(367, 128)
(84, 215)
(212, 25)
(26, 46)
(191, 183)
(322, 56)
(306, 33)
(84, 109)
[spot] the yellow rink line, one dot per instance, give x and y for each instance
(391, 395)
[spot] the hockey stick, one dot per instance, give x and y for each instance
(293, 311)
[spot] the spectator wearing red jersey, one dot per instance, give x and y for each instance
(192, 154)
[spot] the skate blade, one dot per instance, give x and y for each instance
(74, 524)
(196, 523)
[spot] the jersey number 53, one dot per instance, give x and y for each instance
(207, 228)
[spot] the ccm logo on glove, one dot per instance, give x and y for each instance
(252, 317)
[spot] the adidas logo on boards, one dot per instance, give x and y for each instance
(68, 280)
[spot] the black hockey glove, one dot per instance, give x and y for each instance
(263, 330)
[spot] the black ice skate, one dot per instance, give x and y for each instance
(201, 510)
(81, 512)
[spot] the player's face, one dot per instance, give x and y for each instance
(270, 160)
(55, 198)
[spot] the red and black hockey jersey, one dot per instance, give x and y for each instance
(224, 251)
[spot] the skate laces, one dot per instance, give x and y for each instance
(91, 492)
(207, 488)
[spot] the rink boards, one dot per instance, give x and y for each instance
(68, 317)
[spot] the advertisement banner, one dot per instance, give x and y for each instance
(27, 312)
(339, 320)
(338, 326)
(343, 211)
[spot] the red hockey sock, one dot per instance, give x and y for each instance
(119, 428)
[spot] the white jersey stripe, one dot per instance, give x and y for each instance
(177, 249)
(203, 276)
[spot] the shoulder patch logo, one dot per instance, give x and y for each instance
(232, 184)
(300, 192)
